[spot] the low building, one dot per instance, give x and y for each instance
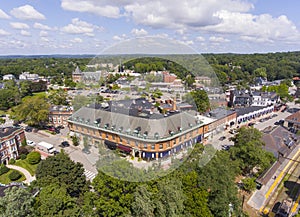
(240, 98)
(135, 127)
(293, 121)
(264, 98)
(223, 119)
(9, 77)
(58, 115)
(247, 114)
(29, 77)
(11, 139)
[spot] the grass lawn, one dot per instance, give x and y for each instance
(5, 180)
(24, 163)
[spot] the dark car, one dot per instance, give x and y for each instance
(64, 144)
(251, 124)
(222, 138)
(225, 147)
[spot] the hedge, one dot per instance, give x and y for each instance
(3, 169)
(14, 175)
(34, 157)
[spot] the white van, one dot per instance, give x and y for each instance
(46, 147)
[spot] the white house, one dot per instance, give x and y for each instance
(9, 77)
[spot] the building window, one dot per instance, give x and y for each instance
(121, 139)
(180, 138)
(174, 142)
(161, 146)
(152, 146)
(145, 146)
(128, 142)
(113, 137)
(106, 135)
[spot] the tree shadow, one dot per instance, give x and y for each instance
(292, 189)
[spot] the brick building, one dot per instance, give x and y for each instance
(10, 140)
(135, 127)
(58, 115)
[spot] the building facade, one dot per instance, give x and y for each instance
(133, 126)
(11, 139)
(58, 115)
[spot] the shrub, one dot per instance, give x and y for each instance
(75, 140)
(12, 161)
(3, 169)
(249, 184)
(14, 175)
(23, 156)
(34, 157)
(24, 143)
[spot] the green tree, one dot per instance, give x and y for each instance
(248, 150)
(17, 202)
(249, 184)
(53, 200)
(58, 97)
(34, 157)
(142, 204)
(61, 168)
(33, 111)
(169, 198)
(199, 98)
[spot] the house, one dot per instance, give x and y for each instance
(240, 98)
(264, 98)
(247, 114)
(136, 127)
(11, 139)
(87, 77)
(28, 76)
(223, 119)
(9, 77)
(58, 115)
(293, 121)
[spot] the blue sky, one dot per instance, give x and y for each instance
(207, 26)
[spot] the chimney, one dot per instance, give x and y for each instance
(174, 106)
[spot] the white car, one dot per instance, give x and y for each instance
(31, 143)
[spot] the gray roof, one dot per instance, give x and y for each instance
(246, 110)
(77, 71)
(144, 123)
(219, 113)
(7, 131)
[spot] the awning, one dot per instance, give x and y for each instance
(124, 148)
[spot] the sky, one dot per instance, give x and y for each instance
(35, 27)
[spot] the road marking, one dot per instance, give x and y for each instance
(89, 175)
(279, 178)
(296, 205)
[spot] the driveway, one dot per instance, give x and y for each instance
(27, 175)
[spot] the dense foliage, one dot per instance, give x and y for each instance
(34, 157)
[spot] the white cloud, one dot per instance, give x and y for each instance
(215, 39)
(80, 27)
(43, 33)
(25, 33)
(120, 37)
(76, 40)
(4, 33)
(17, 25)
(3, 15)
(95, 7)
(200, 39)
(44, 39)
(41, 26)
(262, 27)
(139, 32)
(27, 12)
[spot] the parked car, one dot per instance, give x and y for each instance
(251, 124)
(222, 138)
(64, 144)
(225, 147)
(30, 143)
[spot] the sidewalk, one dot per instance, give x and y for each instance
(260, 197)
(27, 175)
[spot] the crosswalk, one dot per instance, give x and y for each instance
(89, 175)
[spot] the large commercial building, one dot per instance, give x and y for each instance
(10, 140)
(136, 127)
